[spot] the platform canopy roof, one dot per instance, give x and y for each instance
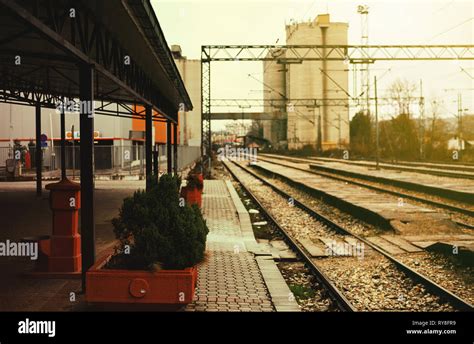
(43, 42)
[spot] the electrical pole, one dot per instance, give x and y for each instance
(363, 10)
(320, 138)
(376, 126)
(422, 120)
(460, 111)
(325, 95)
(340, 137)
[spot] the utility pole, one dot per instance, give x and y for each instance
(363, 10)
(320, 138)
(422, 120)
(377, 157)
(325, 94)
(340, 137)
(294, 132)
(460, 113)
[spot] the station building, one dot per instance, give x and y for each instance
(119, 142)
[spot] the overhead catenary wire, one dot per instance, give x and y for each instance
(298, 113)
(337, 84)
(310, 8)
(466, 72)
(442, 7)
(451, 28)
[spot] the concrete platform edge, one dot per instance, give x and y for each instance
(277, 288)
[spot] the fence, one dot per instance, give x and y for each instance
(5, 153)
(107, 159)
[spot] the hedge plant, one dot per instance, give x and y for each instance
(156, 231)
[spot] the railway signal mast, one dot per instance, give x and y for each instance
(460, 124)
(363, 10)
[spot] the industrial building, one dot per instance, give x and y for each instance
(190, 122)
(290, 80)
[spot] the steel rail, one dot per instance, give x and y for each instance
(375, 188)
(335, 293)
(443, 293)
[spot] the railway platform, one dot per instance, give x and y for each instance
(380, 209)
(238, 273)
(447, 170)
(448, 186)
(415, 226)
(445, 182)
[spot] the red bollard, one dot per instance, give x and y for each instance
(65, 245)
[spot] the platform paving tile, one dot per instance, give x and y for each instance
(229, 279)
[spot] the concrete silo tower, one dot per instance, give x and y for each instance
(274, 78)
(309, 80)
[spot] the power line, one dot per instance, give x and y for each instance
(465, 71)
(298, 113)
(335, 82)
(442, 7)
(372, 84)
(310, 7)
(450, 29)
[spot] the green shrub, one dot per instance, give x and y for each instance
(301, 292)
(193, 181)
(159, 232)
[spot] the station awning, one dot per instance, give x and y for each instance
(42, 42)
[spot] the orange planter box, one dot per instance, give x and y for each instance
(140, 287)
(192, 195)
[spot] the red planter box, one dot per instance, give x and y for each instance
(139, 287)
(192, 195)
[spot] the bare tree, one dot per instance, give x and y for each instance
(437, 133)
(402, 92)
(256, 128)
(433, 119)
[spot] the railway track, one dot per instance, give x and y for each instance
(315, 266)
(452, 167)
(335, 294)
(446, 204)
(452, 171)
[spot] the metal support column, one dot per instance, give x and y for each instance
(377, 134)
(324, 120)
(38, 152)
(86, 94)
(156, 166)
(148, 144)
(319, 142)
(168, 146)
(63, 143)
(206, 142)
(175, 149)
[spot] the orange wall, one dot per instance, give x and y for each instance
(160, 127)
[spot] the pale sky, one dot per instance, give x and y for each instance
(194, 23)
